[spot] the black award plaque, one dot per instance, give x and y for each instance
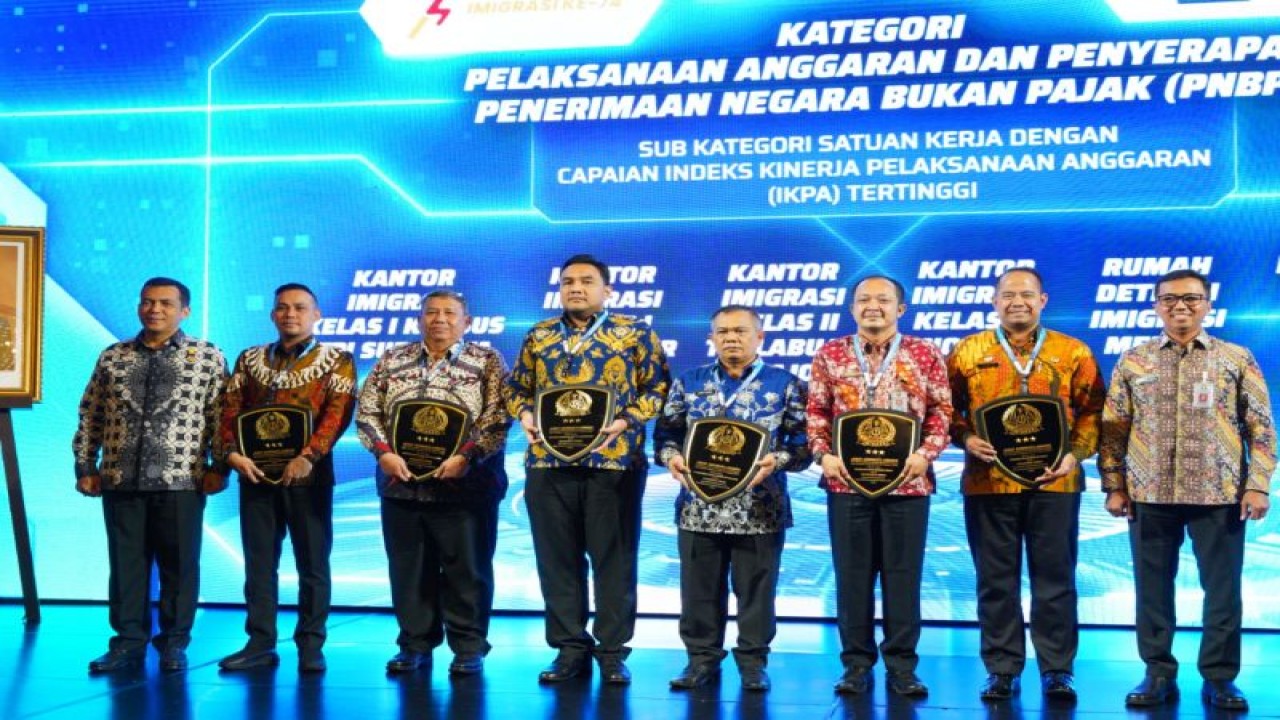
(721, 455)
(571, 417)
(427, 432)
(1029, 433)
(874, 446)
(272, 435)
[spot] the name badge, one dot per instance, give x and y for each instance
(1202, 395)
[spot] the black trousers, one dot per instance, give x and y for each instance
(267, 512)
(711, 563)
(163, 528)
(884, 538)
(1217, 540)
(585, 520)
(440, 562)
(1047, 525)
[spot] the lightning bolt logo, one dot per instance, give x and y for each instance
(436, 8)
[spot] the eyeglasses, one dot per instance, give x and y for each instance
(1191, 300)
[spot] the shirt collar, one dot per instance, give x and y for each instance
(1027, 343)
(874, 347)
(723, 372)
(571, 328)
(451, 354)
(1202, 340)
(176, 340)
(298, 350)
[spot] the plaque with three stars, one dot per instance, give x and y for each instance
(1029, 433)
(874, 446)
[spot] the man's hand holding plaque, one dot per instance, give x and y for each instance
(272, 438)
(426, 436)
(723, 457)
(876, 450)
(1026, 437)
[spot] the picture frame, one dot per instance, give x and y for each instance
(21, 315)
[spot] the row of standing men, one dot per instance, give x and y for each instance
(1185, 431)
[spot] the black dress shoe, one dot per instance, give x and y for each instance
(1152, 691)
(754, 678)
(173, 660)
(854, 681)
(906, 684)
(466, 664)
(564, 667)
(311, 660)
(696, 675)
(249, 658)
(1224, 695)
(999, 686)
(613, 671)
(115, 660)
(1058, 685)
(408, 661)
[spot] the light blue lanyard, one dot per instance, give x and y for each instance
(573, 349)
(726, 403)
(1024, 371)
(872, 380)
(280, 374)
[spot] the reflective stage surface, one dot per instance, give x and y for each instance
(43, 674)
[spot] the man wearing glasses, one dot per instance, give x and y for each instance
(1188, 447)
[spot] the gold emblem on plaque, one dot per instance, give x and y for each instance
(272, 426)
(1022, 419)
(430, 420)
(573, 404)
(876, 432)
(726, 440)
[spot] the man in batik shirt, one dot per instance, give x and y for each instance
(737, 541)
(588, 509)
(144, 445)
(879, 368)
(440, 531)
(1003, 516)
(298, 371)
(1188, 447)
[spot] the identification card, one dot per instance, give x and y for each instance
(1202, 395)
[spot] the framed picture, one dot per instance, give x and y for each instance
(21, 314)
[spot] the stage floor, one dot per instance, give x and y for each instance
(43, 672)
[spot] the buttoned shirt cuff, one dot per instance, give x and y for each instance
(781, 459)
(1112, 481)
(666, 452)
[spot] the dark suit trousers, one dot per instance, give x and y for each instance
(584, 520)
(1217, 540)
(884, 538)
(712, 563)
(1047, 525)
(163, 528)
(440, 561)
(267, 512)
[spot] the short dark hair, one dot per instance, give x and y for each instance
(1183, 275)
(447, 294)
(897, 286)
(184, 292)
(726, 309)
(586, 259)
(297, 286)
(1022, 269)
